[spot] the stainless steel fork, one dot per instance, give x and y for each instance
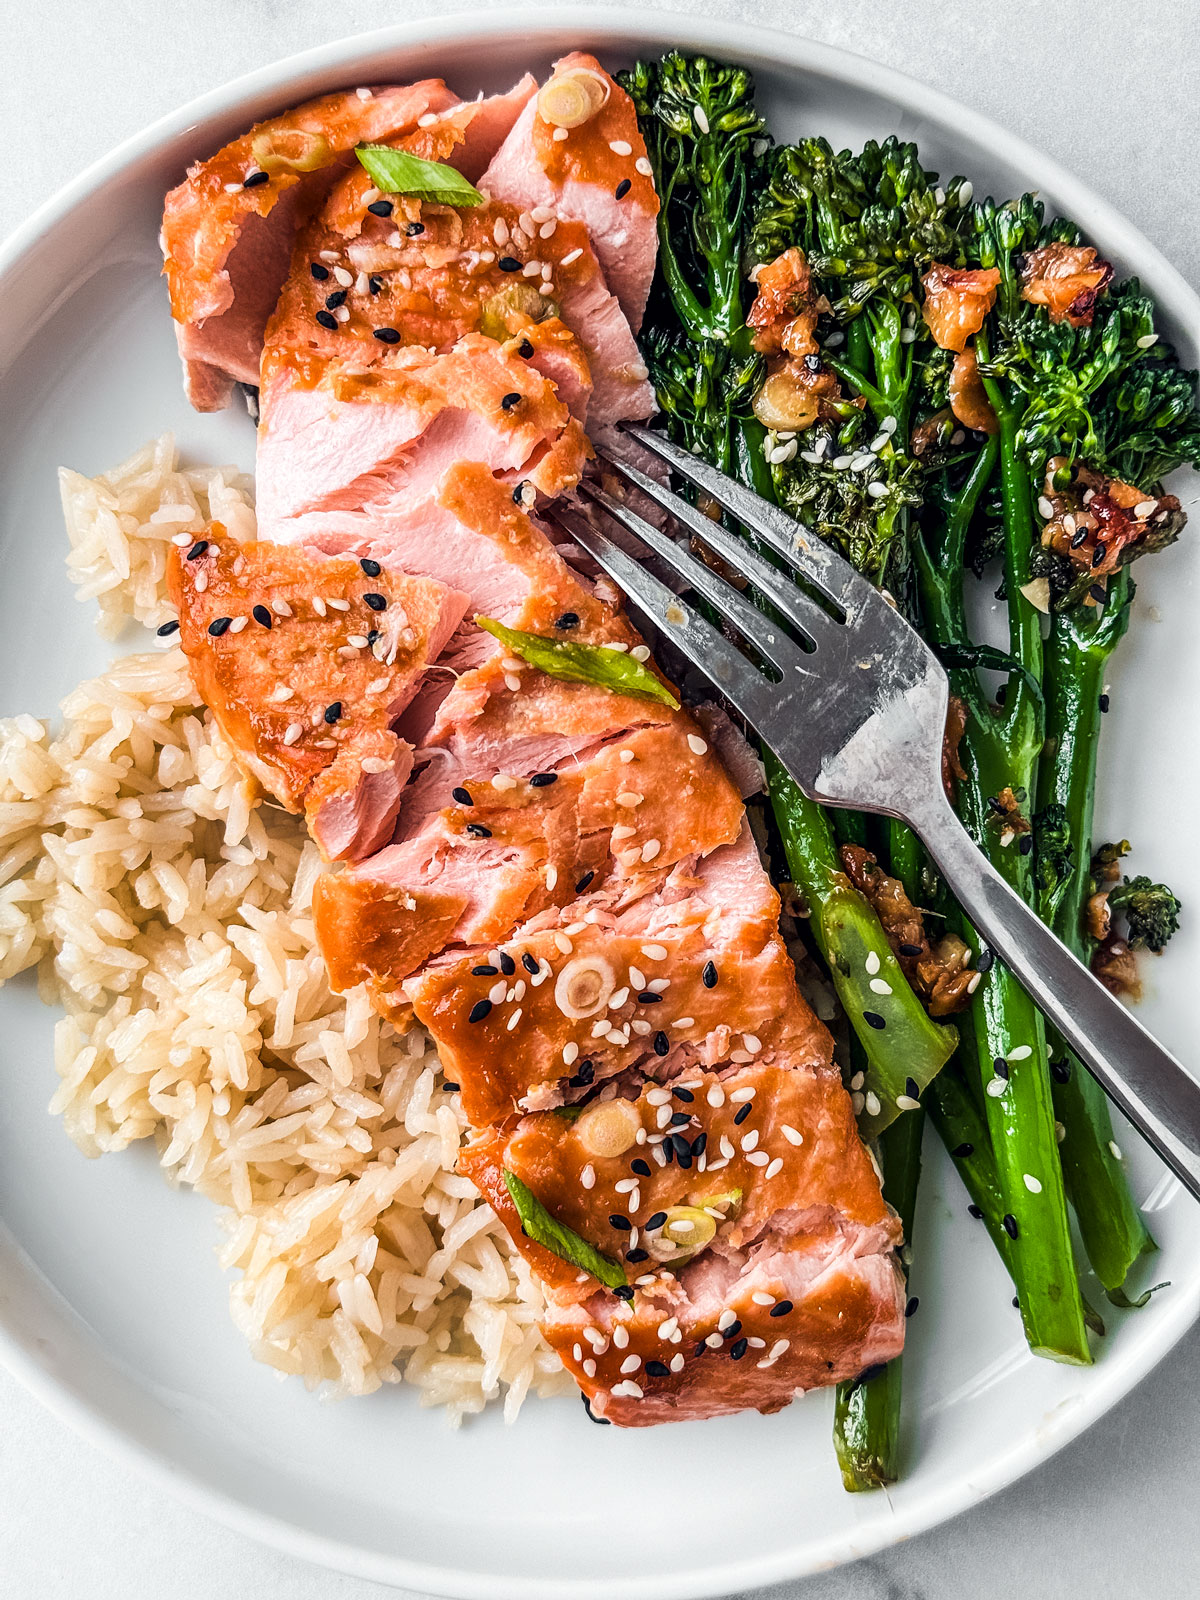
(857, 719)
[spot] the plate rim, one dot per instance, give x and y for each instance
(1174, 296)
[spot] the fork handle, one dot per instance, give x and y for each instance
(1156, 1093)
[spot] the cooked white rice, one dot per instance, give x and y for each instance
(168, 913)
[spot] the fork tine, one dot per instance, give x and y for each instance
(733, 606)
(809, 555)
(797, 606)
(746, 689)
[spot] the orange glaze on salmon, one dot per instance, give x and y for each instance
(597, 173)
(227, 243)
(745, 1211)
(306, 663)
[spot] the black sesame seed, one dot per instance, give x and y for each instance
(699, 1144)
(374, 284)
(679, 1119)
(479, 1010)
(656, 1221)
(1060, 1071)
(1104, 702)
(682, 1149)
(662, 1044)
(336, 299)
(910, 949)
(963, 1150)
(254, 179)
(642, 1168)
(584, 882)
(414, 228)
(974, 1211)
(327, 320)
(986, 961)
(683, 1094)
(543, 780)
(873, 1019)
(700, 1348)
(333, 713)
(529, 962)
(507, 965)
(586, 1073)
(780, 1308)
(167, 627)
(1098, 555)
(525, 349)
(478, 831)
(386, 335)
(372, 635)
(508, 401)
(912, 1088)
(649, 998)
(518, 494)
(1025, 843)
(381, 208)
(1016, 1304)
(569, 619)
(197, 550)
(449, 1088)
(218, 627)
(319, 272)
(622, 1224)
(623, 188)
(1010, 1224)
(911, 1306)
(1001, 697)
(742, 1113)
(1078, 538)
(262, 616)
(738, 1349)
(657, 1369)
(486, 971)
(732, 1331)
(509, 264)
(709, 976)
(637, 1254)
(623, 1291)
(377, 602)
(371, 568)
(462, 796)
(1098, 593)
(592, 1417)
(1000, 1067)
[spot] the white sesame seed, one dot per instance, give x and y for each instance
(792, 1135)
(905, 1102)
(1147, 340)
(1144, 508)
(293, 732)
(620, 147)
(667, 1328)
(564, 944)
(570, 1053)
(620, 1336)
(427, 120)
(877, 490)
(654, 952)
(642, 165)
(726, 1320)
(840, 463)
(511, 682)
(872, 962)
(996, 1087)
(625, 1185)
(701, 119)
(238, 624)
(497, 992)
(559, 135)
(714, 1341)
(201, 582)
(343, 277)
(727, 1149)
(1031, 1183)
(502, 781)
(677, 1362)
(1020, 1052)
(976, 980)
(684, 1022)
(750, 1140)
(880, 986)
(871, 1102)
(531, 269)
(589, 1368)
(857, 1081)
(650, 849)
(856, 1103)
(658, 1097)
(640, 652)
(629, 800)
(659, 985)
(1114, 1150)
(627, 1387)
(907, 335)
(758, 1158)
(318, 605)
(283, 692)
(716, 1095)
(1045, 508)
(631, 1363)
(752, 1042)
(551, 876)
(775, 1167)
(739, 1096)
(588, 1176)
(576, 927)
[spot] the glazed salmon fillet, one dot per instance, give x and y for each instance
(550, 867)
(306, 663)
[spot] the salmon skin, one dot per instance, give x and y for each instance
(553, 871)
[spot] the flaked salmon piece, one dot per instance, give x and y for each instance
(377, 443)
(468, 134)
(816, 1302)
(503, 852)
(227, 242)
(741, 1206)
(625, 985)
(364, 283)
(596, 172)
(306, 662)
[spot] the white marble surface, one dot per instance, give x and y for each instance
(1104, 86)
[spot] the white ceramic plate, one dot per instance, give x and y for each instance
(112, 1307)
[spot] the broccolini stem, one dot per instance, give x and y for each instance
(1110, 1225)
(866, 1425)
